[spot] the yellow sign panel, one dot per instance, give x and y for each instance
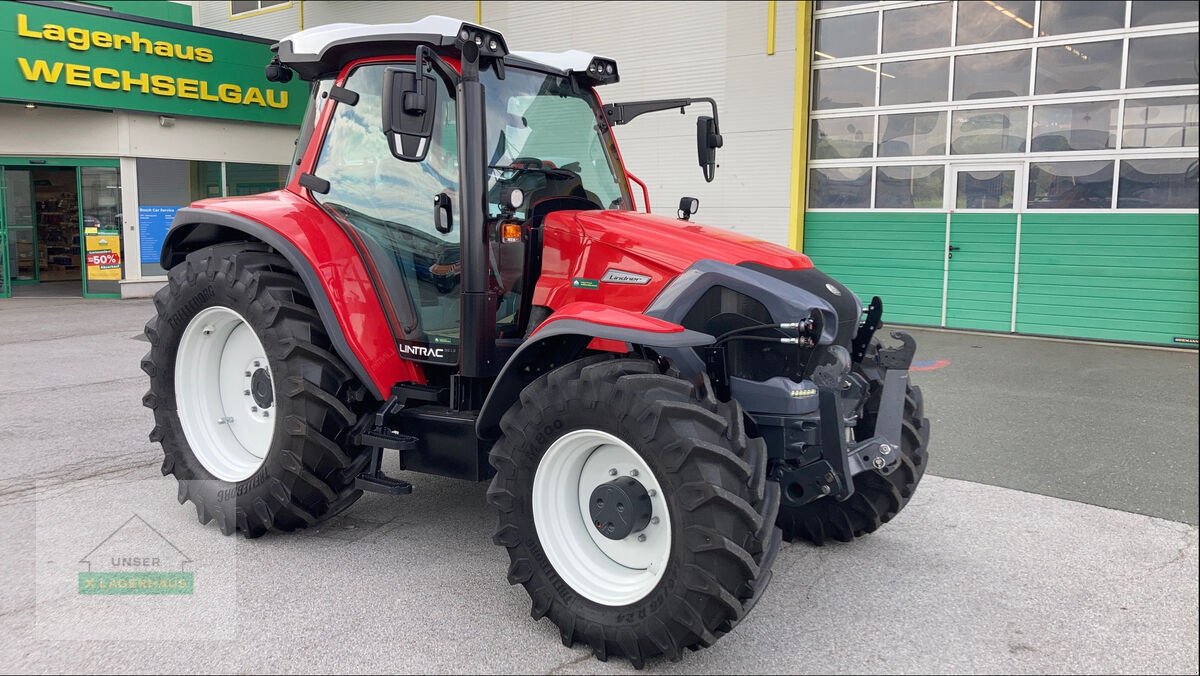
(104, 257)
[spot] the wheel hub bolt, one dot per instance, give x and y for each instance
(825, 489)
(633, 472)
(654, 520)
(641, 537)
(246, 392)
(878, 462)
(612, 472)
(257, 363)
(254, 409)
(885, 448)
(266, 414)
(652, 492)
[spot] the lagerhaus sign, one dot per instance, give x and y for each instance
(60, 56)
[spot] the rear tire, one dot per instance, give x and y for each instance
(309, 466)
(711, 491)
(877, 498)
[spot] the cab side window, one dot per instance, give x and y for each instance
(390, 203)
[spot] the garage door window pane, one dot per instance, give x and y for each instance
(844, 36)
(909, 187)
(985, 189)
(980, 22)
(838, 4)
(842, 137)
(912, 134)
(988, 76)
(1084, 67)
(922, 81)
(1162, 123)
(851, 87)
(993, 130)
(924, 27)
(1075, 126)
(1070, 185)
(841, 188)
(1158, 184)
(1149, 12)
(1163, 61)
(1060, 17)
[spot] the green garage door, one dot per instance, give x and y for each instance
(1113, 276)
(1122, 276)
(899, 257)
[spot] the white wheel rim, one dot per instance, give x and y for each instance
(224, 419)
(608, 572)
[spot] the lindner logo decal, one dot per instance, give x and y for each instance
(833, 289)
(422, 351)
(614, 276)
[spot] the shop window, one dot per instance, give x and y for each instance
(1161, 123)
(906, 134)
(992, 130)
(839, 188)
(104, 253)
(1150, 12)
(845, 36)
(913, 187)
(251, 179)
(1158, 184)
(1070, 185)
(1163, 61)
(246, 6)
(1074, 126)
(992, 75)
(852, 87)
(980, 21)
(921, 27)
(1060, 17)
(840, 137)
(985, 189)
(922, 81)
(1080, 67)
(164, 187)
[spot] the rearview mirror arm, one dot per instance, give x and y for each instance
(624, 113)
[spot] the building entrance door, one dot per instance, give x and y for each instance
(981, 246)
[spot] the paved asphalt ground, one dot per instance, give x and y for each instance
(1056, 533)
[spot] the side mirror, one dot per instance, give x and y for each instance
(708, 139)
(687, 207)
(409, 106)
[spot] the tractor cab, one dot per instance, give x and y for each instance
(445, 153)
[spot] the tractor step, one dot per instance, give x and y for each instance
(385, 438)
(382, 483)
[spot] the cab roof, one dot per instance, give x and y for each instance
(322, 51)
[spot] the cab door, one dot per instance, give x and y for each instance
(388, 206)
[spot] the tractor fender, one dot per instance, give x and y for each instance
(562, 338)
(194, 229)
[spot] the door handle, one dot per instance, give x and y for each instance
(950, 251)
(954, 248)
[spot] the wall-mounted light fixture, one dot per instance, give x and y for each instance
(166, 121)
(30, 106)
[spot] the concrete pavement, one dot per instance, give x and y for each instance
(970, 577)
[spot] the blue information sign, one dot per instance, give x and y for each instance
(153, 222)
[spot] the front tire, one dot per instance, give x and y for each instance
(251, 406)
(700, 567)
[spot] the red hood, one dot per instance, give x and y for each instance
(672, 243)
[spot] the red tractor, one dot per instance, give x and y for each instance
(457, 271)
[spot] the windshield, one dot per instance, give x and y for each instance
(545, 136)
